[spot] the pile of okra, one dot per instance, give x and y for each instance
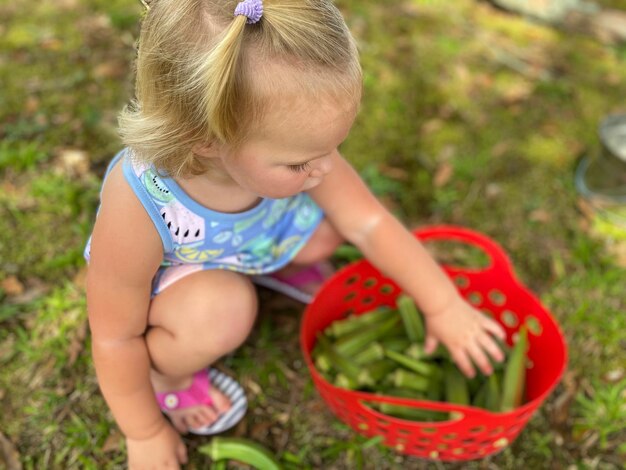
(382, 351)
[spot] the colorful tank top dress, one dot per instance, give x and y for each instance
(256, 241)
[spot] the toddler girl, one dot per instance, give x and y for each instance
(231, 174)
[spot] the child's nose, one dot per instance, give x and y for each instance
(323, 167)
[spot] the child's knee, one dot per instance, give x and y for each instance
(227, 314)
(215, 312)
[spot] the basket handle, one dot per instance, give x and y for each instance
(500, 263)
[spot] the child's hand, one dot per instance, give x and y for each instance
(165, 450)
(467, 333)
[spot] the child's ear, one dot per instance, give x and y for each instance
(206, 149)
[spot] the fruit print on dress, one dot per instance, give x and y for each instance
(286, 245)
(184, 225)
(242, 225)
(155, 186)
(195, 254)
(277, 210)
(307, 214)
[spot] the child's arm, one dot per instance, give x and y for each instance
(125, 253)
(363, 220)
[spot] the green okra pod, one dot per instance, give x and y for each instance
(410, 363)
(455, 385)
(372, 373)
(479, 399)
(515, 373)
(413, 414)
(339, 361)
(493, 396)
(351, 343)
(405, 379)
(322, 362)
(411, 318)
(371, 353)
(343, 381)
(356, 322)
(396, 343)
(242, 450)
(402, 393)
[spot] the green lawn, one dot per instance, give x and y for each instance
(471, 116)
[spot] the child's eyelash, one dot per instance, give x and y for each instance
(300, 167)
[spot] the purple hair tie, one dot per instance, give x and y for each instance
(252, 9)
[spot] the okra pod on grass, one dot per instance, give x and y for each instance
(241, 450)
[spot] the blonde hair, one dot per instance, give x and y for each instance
(205, 76)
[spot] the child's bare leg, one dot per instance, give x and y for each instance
(194, 322)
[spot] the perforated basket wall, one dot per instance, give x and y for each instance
(475, 433)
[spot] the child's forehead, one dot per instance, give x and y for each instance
(316, 126)
(288, 82)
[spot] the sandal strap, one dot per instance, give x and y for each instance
(301, 278)
(196, 394)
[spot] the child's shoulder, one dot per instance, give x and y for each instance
(120, 206)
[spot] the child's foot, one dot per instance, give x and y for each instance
(199, 406)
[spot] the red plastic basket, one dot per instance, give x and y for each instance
(475, 433)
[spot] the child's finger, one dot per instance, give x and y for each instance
(181, 453)
(480, 358)
(489, 345)
(430, 344)
(463, 363)
(494, 328)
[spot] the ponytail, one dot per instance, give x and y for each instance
(219, 76)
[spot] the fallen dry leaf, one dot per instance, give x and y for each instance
(80, 279)
(615, 376)
(111, 69)
(112, 442)
(77, 344)
(34, 289)
(432, 125)
(74, 162)
(517, 92)
(12, 286)
(540, 215)
(9, 457)
(393, 172)
(560, 409)
(443, 174)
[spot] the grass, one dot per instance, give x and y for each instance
(471, 116)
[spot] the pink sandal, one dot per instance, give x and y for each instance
(198, 394)
(292, 284)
